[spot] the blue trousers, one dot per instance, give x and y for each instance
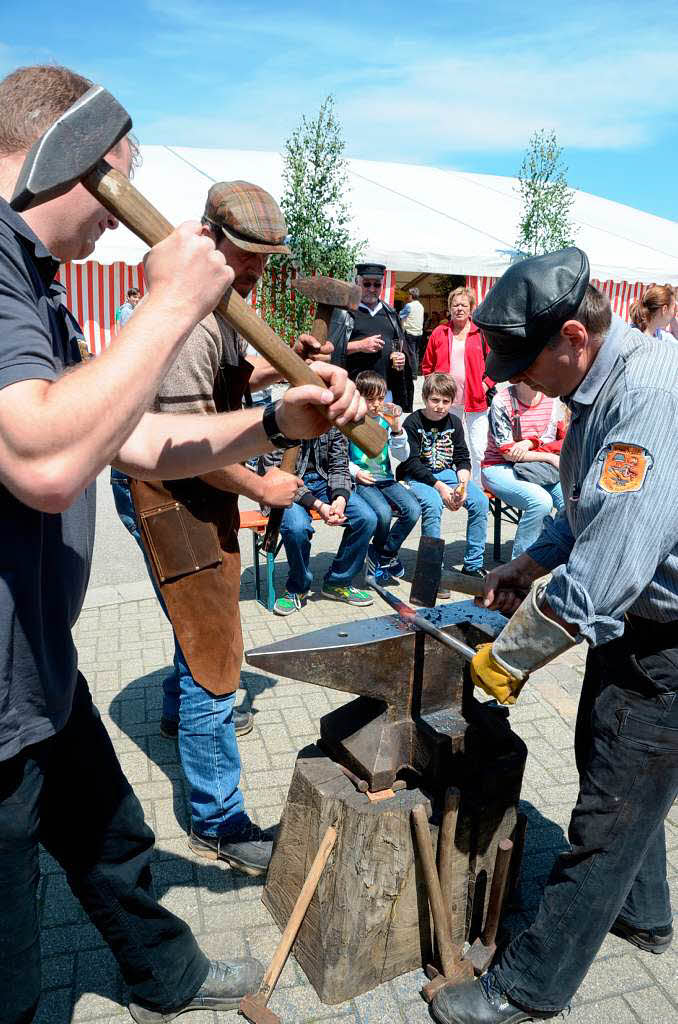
(296, 532)
(208, 747)
(476, 504)
(386, 498)
(626, 746)
(535, 500)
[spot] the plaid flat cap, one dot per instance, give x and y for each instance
(247, 215)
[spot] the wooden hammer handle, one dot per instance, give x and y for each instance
(125, 202)
(270, 541)
(296, 917)
(497, 891)
(435, 893)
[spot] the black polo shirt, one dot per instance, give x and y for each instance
(44, 559)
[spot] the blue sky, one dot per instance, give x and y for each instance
(454, 84)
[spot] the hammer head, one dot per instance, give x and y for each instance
(253, 1010)
(71, 148)
(328, 291)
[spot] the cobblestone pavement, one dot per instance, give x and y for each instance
(125, 646)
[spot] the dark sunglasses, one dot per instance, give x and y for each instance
(372, 284)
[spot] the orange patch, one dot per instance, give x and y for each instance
(624, 468)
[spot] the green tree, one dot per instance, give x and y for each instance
(317, 211)
(547, 199)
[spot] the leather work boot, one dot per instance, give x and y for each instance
(250, 851)
(652, 940)
(242, 720)
(226, 983)
(479, 1002)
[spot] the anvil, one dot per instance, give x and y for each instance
(412, 714)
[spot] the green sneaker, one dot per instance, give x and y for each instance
(288, 603)
(349, 595)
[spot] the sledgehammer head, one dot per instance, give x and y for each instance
(71, 148)
(254, 1011)
(328, 291)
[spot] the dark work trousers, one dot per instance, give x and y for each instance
(626, 747)
(69, 793)
(413, 342)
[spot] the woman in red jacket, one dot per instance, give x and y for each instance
(457, 348)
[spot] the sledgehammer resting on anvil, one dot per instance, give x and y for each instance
(72, 151)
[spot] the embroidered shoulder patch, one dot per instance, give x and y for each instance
(623, 468)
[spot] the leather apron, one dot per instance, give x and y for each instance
(190, 534)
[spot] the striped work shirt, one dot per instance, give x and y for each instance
(615, 547)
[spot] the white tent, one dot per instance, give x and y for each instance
(415, 219)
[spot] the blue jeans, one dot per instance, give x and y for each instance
(207, 743)
(385, 498)
(626, 746)
(476, 505)
(535, 500)
(296, 532)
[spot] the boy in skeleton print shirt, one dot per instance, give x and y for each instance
(438, 470)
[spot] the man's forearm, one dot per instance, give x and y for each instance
(171, 447)
(236, 480)
(263, 374)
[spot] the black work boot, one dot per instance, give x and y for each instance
(479, 1002)
(652, 940)
(226, 983)
(249, 851)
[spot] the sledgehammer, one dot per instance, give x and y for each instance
(253, 1007)
(72, 150)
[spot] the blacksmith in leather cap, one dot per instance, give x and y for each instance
(613, 554)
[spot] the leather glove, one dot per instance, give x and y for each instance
(489, 675)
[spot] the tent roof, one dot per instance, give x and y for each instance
(414, 218)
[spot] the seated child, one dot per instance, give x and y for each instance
(376, 485)
(438, 469)
(323, 466)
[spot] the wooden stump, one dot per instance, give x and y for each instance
(369, 919)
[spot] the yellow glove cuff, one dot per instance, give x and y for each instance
(488, 674)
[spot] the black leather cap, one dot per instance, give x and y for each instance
(527, 306)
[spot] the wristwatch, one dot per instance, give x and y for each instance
(272, 430)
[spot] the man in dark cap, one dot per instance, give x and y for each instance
(613, 553)
(211, 374)
(372, 338)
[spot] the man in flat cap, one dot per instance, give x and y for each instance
(613, 553)
(211, 374)
(372, 338)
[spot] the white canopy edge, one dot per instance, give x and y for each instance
(413, 218)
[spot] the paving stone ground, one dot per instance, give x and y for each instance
(125, 646)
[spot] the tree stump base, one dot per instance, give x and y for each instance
(369, 919)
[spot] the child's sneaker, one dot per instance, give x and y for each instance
(372, 560)
(288, 603)
(349, 595)
(384, 578)
(394, 567)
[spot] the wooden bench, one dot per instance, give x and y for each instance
(499, 510)
(252, 519)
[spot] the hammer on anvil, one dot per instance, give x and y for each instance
(328, 294)
(409, 712)
(72, 150)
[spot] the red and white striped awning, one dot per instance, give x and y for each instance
(95, 291)
(621, 294)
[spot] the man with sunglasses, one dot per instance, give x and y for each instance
(372, 338)
(213, 374)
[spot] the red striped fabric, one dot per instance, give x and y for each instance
(94, 292)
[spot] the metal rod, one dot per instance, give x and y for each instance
(408, 615)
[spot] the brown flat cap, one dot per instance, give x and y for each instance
(247, 215)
